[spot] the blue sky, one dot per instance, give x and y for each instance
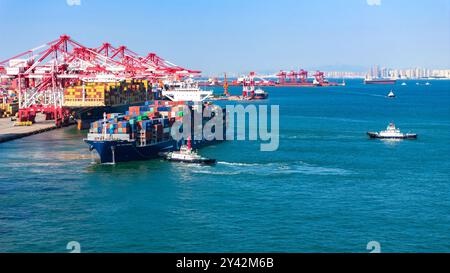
(237, 36)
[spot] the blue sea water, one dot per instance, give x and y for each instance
(328, 188)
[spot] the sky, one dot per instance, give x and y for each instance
(218, 36)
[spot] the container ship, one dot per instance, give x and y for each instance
(142, 133)
(379, 81)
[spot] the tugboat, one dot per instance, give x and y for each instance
(391, 132)
(187, 155)
(391, 94)
(260, 94)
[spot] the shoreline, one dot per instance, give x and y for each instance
(9, 132)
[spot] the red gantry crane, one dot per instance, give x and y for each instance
(303, 74)
(41, 74)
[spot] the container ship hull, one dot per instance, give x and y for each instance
(125, 151)
(380, 81)
(260, 97)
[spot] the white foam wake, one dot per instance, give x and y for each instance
(270, 169)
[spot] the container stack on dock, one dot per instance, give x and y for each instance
(107, 94)
(8, 109)
(9, 105)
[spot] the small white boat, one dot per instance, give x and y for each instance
(391, 94)
(427, 83)
(404, 84)
(391, 132)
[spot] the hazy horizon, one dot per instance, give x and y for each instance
(237, 36)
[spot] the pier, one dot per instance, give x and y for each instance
(10, 132)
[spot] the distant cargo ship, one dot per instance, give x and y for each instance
(260, 94)
(379, 81)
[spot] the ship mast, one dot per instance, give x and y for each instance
(225, 86)
(189, 143)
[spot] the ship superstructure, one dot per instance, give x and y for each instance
(187, 90)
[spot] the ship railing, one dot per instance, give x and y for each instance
(108, 137)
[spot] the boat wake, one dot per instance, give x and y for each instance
(270, 169)
(365, 94)
(237, 164)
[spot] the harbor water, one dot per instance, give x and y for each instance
(328, 188)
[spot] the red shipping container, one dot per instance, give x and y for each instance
(134, 110)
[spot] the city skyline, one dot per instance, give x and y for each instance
(374, 71)
(246, 35)
(377, 71)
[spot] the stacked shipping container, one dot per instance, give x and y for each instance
(107, 94)
(147, 124)
(8, 109)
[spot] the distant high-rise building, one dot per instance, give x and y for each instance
(375, 72)
(409, 73)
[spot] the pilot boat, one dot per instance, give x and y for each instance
(391, 132)
(187, 155)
